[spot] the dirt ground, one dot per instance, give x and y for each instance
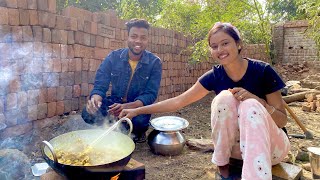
(197, 165)
(191, 164)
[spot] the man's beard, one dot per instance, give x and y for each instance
(137, 54)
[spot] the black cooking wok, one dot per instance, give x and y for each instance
(116, 149)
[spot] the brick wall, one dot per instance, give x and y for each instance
(255, 51)
(48, 60)
(292, 43)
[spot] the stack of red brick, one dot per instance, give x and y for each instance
(312, 103)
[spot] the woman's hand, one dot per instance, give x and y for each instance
(273, 104)
(129, 113)
(242, 94)
(116, 108)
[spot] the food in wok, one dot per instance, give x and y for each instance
(82, 154)
(103, 154)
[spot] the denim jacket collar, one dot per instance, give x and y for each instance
(125, 56)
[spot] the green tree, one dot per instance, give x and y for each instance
(283, 10)
(126, 9)
(195, 18)
(147, 9)
(312, 10)
(91, 5)
(191, 17)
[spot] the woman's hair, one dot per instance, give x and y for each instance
(226, 28)
(140, 23)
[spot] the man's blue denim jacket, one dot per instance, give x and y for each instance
(115, 69)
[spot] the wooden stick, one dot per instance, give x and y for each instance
(295, 117)
(298, 96)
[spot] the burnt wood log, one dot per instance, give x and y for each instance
(298, 96)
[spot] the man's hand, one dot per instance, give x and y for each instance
(116, 108)
(128, 113)
(94, 104)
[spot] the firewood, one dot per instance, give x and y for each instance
(298, 96)
(306, 107)
(313, 105)
(311, 97)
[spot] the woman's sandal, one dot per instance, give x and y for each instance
(231, 177)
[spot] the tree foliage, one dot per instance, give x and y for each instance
(126, 9)
(147, 9)
(312, 10)
(91, 5)
(195, 17)
(283, 10)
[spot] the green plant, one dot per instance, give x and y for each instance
(312, 10)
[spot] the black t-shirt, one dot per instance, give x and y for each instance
(260, 79)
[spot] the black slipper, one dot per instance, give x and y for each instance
(231, 177)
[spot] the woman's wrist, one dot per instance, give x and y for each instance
(272, 110)
(137, 110)
(268, 107)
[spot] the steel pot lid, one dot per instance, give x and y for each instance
(169, 123)
(314, 150)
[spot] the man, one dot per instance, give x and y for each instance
(135, 76)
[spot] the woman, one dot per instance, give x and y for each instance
(246, 115)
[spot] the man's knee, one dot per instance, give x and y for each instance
(141, 123)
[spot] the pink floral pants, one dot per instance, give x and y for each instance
(245, 130)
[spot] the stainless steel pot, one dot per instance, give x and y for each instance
(114, 150)
(314, 158)
(166, 138)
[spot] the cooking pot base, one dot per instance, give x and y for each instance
(133, 170)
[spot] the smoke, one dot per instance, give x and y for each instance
(14, 165)
(2, 125)
(22, 72)
(26, 68)
(5, 75)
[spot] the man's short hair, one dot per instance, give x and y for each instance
(140, 23)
